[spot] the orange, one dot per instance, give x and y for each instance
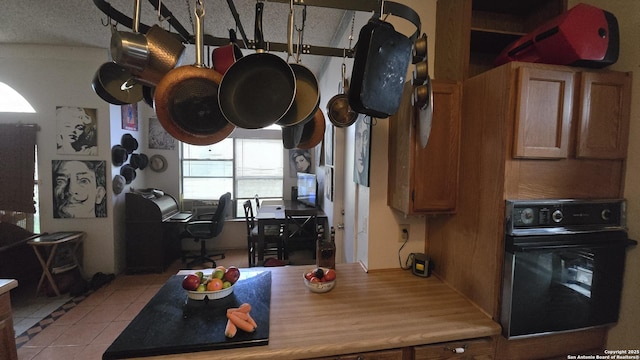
(214, 284)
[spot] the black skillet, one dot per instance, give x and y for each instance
(257, 90)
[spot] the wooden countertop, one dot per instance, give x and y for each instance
(372, 311)
(7, 284)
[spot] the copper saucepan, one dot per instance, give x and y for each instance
(313, 131)
(186, 99)
(165, 53)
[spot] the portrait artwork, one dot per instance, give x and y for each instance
(79, 188)
(77, 131)
(362, 151)
(300, 160)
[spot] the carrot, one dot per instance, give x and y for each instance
(245, 308)
(251, 321)
(231, 329)
(240, 323)
(241, 315)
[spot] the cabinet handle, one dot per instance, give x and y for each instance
(457, 350)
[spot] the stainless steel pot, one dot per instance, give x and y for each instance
(130, 49)
(338, 108)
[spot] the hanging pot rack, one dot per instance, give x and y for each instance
(186, 37)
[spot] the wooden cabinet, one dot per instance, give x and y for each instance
(516, 130)
(546, 101)
(425, 180)
(470, 34)
(393, 354)
(543, 113)
(604, 111)
(483, 348)
(7, 338)
(525, 134)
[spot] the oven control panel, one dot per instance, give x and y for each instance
(574, 215)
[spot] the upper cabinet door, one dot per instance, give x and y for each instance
(543, 113)
(604, 113)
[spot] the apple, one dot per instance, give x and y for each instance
(329, 275)
(232, 274)
(309, 275)
(218, 274)
(190, 282)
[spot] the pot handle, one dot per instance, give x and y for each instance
(199, 12)
(136, 16)
(259, 37)
(405, 12)
(290, 25)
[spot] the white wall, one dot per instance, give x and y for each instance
(48, 77)
(378, 225)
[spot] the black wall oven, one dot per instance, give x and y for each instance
(564, 264)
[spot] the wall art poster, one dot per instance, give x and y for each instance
(79, 188)
(328, 182)
(299, 161)
(129, 117)
(159, 138)
(362, 151)
(77, 131)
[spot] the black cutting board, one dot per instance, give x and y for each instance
(171, 323)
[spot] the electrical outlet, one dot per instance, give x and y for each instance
(403, 232)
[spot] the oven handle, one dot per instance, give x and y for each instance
(601, 245)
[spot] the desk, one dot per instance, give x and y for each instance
(271, 212)
(47, 245)
(152, 231)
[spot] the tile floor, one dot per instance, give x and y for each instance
(83, 327)
(85, 330)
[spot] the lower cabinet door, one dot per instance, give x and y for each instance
(394, 354)
(482, 348)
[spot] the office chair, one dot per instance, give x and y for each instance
(273, 244)
(204, 227)
(300, 230)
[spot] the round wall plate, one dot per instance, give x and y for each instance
(158, 163)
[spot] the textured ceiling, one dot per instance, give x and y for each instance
(79, 22)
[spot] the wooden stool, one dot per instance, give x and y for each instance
(49, 243)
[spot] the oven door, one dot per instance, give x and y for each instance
(557, 283)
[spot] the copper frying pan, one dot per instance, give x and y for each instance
(186, 99)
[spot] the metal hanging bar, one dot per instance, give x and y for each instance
(186, 37)
(357, 5)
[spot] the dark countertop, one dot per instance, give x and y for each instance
(171, 323)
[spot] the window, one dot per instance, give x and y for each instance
(26, 221)
(13, 101)
(240, 165)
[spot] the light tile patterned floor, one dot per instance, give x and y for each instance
(83, 328)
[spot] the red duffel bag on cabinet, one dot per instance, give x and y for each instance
(582, 36)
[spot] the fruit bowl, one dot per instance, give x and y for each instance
(318, 286)
(210, 295)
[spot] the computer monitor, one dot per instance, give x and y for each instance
(307, 189)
